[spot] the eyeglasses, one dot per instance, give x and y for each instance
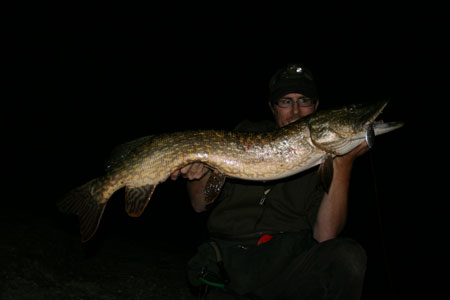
(289, 102)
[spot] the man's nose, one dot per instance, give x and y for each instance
(296, 107)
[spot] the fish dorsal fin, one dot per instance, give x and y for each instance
(119, 153)
(137, 198)
(326, 173)
(214, 186)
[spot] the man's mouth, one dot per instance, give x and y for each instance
(293, 120)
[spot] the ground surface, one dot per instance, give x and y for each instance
(41, 258)
(35, 267)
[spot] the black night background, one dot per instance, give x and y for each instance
(81, 81)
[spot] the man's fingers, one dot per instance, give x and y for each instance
(194, 171)
(191, 171)
(197, 171)
(363, 148)
(185, 170)
(175, 175)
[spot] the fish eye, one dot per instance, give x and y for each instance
(352, 108)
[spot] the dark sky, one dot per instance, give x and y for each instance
(85, 82)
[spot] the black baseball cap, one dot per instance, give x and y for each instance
(294, 78)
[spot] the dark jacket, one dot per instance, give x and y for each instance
(286, 205)
(287, 208)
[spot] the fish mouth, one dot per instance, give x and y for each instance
(369, 115)
(367, 124)
(381, 127)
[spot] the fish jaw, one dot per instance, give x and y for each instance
(382, 128)
(341, 130)
(373, 127)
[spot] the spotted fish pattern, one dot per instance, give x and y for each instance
(140, 165)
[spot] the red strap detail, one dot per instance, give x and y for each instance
(264, 239)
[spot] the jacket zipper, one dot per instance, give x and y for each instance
(261, 203)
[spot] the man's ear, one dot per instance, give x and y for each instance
(316, 105)
(272, 109)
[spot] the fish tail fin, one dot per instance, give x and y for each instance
(88, 203)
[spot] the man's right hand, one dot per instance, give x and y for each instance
(191, 171)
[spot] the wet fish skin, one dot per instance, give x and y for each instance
(141, 165)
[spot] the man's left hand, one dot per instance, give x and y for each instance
(348, 159)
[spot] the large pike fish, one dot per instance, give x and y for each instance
(141, 165)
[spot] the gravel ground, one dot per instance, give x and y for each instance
(41, 260)
(41, 256)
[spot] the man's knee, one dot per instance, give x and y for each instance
(349, 255)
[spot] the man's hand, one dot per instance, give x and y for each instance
(332, 214)
(191, 171)
(348, 159)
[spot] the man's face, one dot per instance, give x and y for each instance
(284, 116)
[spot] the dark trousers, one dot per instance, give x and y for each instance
(330, 270)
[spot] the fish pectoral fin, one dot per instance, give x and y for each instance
(137, 198)
(214, 186)
(326, 173)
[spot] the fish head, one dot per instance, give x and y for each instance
(338, 131)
